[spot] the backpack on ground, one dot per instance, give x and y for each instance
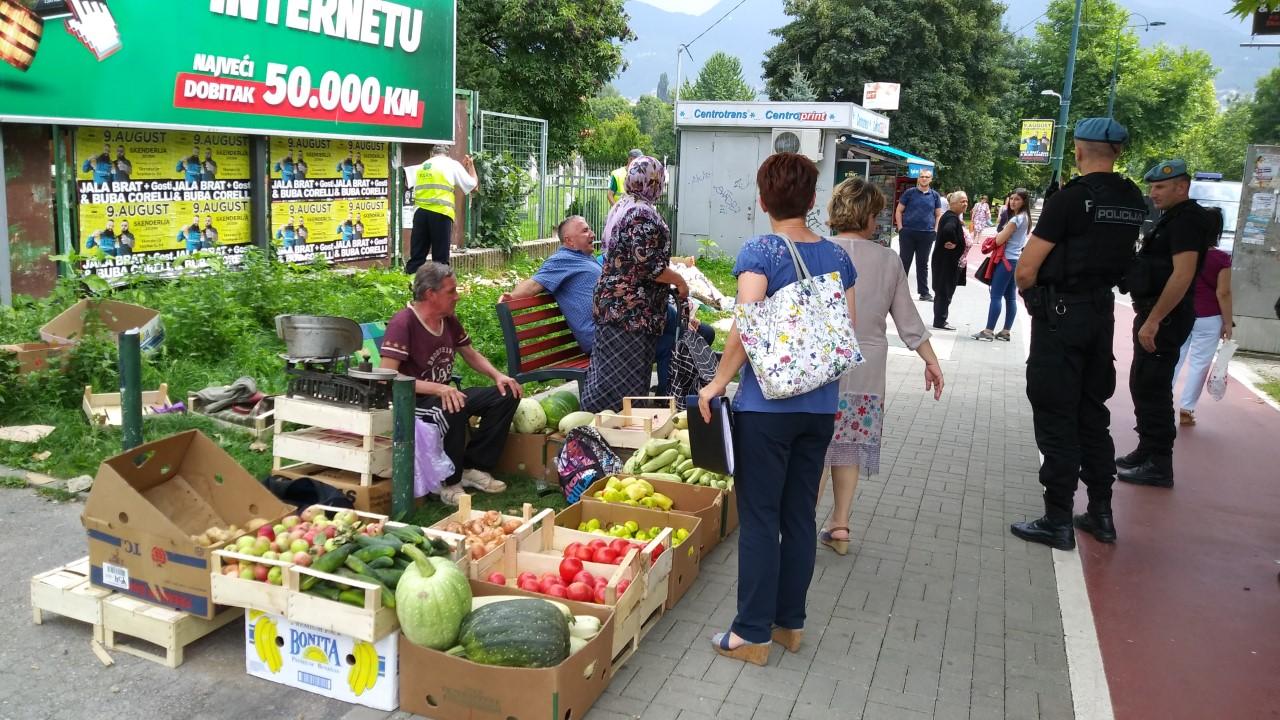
(584, 459)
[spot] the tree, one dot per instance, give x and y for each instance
(1218, 142)
(611, 140)
(656, 120)
(949, 63)
(664, 92)
(1266, 110)
(608, 107)
(798, 89)
(719, 79)
(505, 52)
(1243, 9)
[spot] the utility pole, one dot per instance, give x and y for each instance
(1060, 142)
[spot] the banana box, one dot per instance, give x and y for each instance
(311, 659)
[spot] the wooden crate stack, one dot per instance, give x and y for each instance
(334, 436)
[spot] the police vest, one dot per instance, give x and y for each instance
(620, 179)
(433, 191)
(1097, 255)
(1151, 270)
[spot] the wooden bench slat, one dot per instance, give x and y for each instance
(532, 317)
(540, 331)
(556, 358)
(529, 302)
(551, 343)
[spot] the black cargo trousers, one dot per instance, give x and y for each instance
(1071, 374)
(1151, 380)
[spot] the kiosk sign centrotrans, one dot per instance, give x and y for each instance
(835, 116)
(377, 69)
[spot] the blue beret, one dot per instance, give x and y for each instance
(1167, 170)
(1100, 129)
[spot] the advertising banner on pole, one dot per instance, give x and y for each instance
(881, 95)
(157, 202)
(378, 69)
(1035, 142)
(330, 198)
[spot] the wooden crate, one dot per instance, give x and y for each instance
(259, 426)
(351, 419)
(634, 426)
(465, 514)
(66, 591)
(104, 408)
(170, 630)
(370, 622)
(367, 455)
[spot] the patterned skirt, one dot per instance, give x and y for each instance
(856, 441)
(621, 366)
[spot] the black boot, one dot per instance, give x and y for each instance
(1155, 472)
(1058, 535)
(1098, 524)
(1132, 460)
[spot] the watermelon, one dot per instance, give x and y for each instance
(530, 417)
(558, 404)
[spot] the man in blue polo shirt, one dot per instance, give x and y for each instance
(918, 212)
(570, 275)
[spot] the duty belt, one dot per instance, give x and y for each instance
(1057, 303)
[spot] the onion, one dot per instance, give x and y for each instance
(478, 551)
(492, 518)
(510, 526)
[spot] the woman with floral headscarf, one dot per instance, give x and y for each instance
(630, 304)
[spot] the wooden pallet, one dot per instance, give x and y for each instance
(66, 591)
(170, 630)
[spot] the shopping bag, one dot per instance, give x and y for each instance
(693, 363)
(984, 271)
(800, 338)
(1217, 382)
(431, 466)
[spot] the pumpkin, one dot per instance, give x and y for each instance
(526, 632)
(575, 419)
(557, 405)
(530, 417)
(432, 598)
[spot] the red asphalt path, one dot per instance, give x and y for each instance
(1187, 602)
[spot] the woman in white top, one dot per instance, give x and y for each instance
(1011, 239)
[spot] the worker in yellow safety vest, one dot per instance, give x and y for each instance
(433, 184)
(618, 178)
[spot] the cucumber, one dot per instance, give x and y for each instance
(352, 596)
(328, 563)
(659, 462)
(351, 571)
(381, 563)
(389, 578)
(405, 535)
(380, 541)
(326, 590)
(365, 554)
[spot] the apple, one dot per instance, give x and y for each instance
(657, 552)
(580, 592)
(290, 520)
(298, 546)
(246, 571)
(260, 573)
(280, 529)
(245, 541)
(569, 567)
(254, 551)
(330, 531)
(270, 555)
(497, 578)
(557, 591)
(303, 559)
(267, 532)
(275, 576)
(330, 545)
(231, 569)
(309, 536)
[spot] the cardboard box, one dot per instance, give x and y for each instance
(444, 687)
(687, 557)
(525, 456)
(33, 356)
(68, 328)
(324, 663)
(375, 498)
(705, 503)
(730, 522)
(146, 504)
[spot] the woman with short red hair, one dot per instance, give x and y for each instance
(779, 445)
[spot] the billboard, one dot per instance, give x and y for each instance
(880, 95)
(1035, 142)
(382, 69)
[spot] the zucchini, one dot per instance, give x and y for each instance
(659, 462)
(669, 477)
(684, 465)
(657, 446)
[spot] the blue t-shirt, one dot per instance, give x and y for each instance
(1018, 240)
(919, 209)
(571, 277)
(768, 255)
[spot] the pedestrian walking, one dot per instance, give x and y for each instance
(1011, 239)
(1160, 283)
(946, 257)
(1213, 323)
(779, 445)
(980, 216)
(1079, 250)
(630, 301)
(916, 218)
(882, 291)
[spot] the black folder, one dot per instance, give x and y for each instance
(711, 443)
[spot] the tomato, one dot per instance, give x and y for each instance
(498, 578)
(557, 591)
(525, 576)
(580, 592)
(545, 585)
(622, 586)
(586, 553)
(620, 546)
(549, 578)
(600, 594)
(657, 552)
(530, 586)
(605, 555)
(597, 543)
(569, 567)
(585, 577)
(571, 550)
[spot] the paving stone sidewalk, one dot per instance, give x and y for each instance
(937, 612)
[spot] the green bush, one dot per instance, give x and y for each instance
(504, 188)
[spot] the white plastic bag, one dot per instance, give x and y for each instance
(431, 466)
(1217, 382)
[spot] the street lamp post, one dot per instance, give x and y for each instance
(1115, 59)
(1064, 106)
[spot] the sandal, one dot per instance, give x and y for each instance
(985, 335)
(756, 653)
(1003, 335)
(840, 546)
(789, 639)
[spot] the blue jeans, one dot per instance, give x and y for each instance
(1004, 289)
(778, 460)
(667, 343)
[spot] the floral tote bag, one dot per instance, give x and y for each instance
(800, 338)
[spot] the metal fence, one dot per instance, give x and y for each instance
(583, 189)
(524, 140)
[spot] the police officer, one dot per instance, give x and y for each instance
(1160, 283)
(1079, 250)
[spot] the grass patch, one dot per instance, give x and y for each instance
(1272, 388)
(55, 494)
(519, 491)
(12, 481)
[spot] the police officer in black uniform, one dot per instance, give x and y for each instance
(1079, 250)
(1160, 283)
